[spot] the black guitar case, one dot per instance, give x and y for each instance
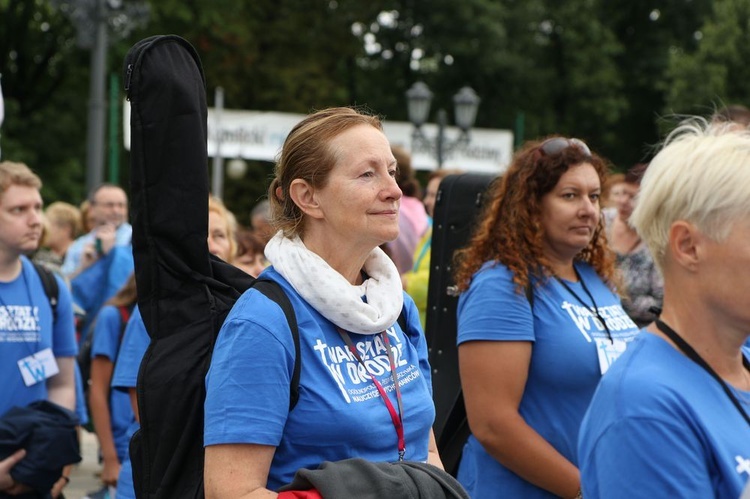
(183, 293)
(459, 201)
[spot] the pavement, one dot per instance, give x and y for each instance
(83, 478)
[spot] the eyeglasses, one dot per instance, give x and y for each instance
(556, 145)
(111, 204)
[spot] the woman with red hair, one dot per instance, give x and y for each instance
(538, 322)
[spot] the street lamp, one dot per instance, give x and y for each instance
(466, 104)
(236, 168)
(95, 22)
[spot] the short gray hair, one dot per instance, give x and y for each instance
(700, 175)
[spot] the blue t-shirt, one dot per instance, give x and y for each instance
(564, 367)
(26, 328)
(106, 343)
(101, 281)
(81, 410)
(340, 413)
(660, 426)
(123, 236)
(134, 345)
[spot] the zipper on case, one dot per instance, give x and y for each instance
(127, 79)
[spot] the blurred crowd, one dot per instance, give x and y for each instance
(561, 255)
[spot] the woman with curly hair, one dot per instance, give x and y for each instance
(539, 322)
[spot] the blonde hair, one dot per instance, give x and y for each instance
(66, 215)
(701, 176)
(306, 155)
(12, 173)
(215, 205)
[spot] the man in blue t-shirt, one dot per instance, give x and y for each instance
(99, 263)
(109, 209)
(37, 350)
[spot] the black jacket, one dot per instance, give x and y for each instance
(48, 433)
(367, 480)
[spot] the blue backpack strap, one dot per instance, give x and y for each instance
(273, 291)
(51, 289)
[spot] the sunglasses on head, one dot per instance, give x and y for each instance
(556, 145)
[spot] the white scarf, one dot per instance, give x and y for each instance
(328, 292)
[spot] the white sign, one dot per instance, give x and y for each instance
(259, 135)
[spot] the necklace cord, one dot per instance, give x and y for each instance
(690, 352)
(588, 293)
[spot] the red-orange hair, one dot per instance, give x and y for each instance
(509, 230)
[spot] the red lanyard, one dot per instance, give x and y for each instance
(396, 417)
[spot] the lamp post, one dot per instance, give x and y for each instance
(97, 103)
(97, 21)
(466, 104)
(217, 173)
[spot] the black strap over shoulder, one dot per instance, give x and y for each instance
(51, 289)
(402, 320)
(690, 352)
(274, 292)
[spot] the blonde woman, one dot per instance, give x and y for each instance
(672, 416)
(364, 388)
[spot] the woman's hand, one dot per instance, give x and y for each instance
(433, 457)
(111, 471)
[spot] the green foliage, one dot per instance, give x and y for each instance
(42, 77)
(716, 73)
(602, 70)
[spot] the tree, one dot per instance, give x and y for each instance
(596, 69)
(587, 96)
(541, 58)
(45, 109)
(648, 31)
(715, 73)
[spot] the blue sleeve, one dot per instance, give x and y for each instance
(134, 345)
(247, 385)
(106, 339)
(64, 337)
(92, 287)
(73, 256)
(120, 267)
(493, 309)
(636, 457)
(88, 286)
(416, 337)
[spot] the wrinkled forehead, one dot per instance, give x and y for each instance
(359, 144)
